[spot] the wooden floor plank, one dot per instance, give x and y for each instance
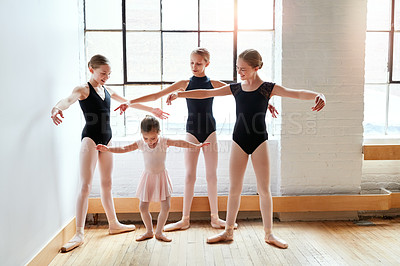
(310, 243)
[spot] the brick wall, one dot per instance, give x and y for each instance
(323, 50)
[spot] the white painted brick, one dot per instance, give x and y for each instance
(323, 48)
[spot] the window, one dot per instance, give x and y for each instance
(149, 43)
(382, 69)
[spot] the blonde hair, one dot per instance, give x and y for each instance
(98, 60)
(150, 124)
(203, 52)
(252, 57)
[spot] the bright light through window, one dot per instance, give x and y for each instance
(382, 70)
(153, 50)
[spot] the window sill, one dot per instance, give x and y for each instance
(390, 140)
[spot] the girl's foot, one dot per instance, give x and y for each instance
(180, 225)
(219, 223)
(276, 241)
(120, 228)
(226, 235)
(163, 237)
(75, 242)
(145, 236)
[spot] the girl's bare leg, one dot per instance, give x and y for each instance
(162, 219)
(105, 169)
(260, 160)
(191, 158)
(147, 220)
(87, 161)
(237, 168)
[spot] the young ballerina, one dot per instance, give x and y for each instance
(155, 184)
(249, 137)
(94, 99)
(200, 127)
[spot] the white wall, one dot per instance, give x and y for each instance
(323, 50)
(40, 51)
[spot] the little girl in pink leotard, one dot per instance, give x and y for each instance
(155, 184)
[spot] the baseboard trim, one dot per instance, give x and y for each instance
(315, 203)
(47, 254)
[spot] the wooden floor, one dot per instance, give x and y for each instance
(310, 243)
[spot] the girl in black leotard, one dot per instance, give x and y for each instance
(94, 99)
(249, 137)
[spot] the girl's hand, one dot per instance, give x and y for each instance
(201, 145)
(102, 148)
(320, 102)
(54, 115)
(171, 97)
(159, 113)
(122, 108)
(273, 111)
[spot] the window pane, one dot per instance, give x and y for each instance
(378, 14)
(263, 43)
(220, 46)
(135, 116)
(255, 14)
(216, 15)
(224, 110)
(143, 15)
(175, 125)
(376, 57)
(103, 14)
(143, 56)
(179, 15)
(396, 57)
(117, 120)
(394, 110)
(177, 48)
(397, 15)
(108, 44)
(374, 110)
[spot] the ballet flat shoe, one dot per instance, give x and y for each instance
(122, 230)
(219, 238)
(70, 246)
(217, 226)
(163, 238)
(143, 237)
(277, 242)
(175, 227)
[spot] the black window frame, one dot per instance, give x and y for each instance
(198, 31)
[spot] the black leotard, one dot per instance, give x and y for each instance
(97, 116)
(251, 106)
(200, 122)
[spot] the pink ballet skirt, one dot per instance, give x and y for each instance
(154, 187)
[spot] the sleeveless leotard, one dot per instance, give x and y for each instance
(251, 106)
(200, 122)
(97, 116)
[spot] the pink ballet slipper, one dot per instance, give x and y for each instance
(219, 223)
(180, 225)
(122, 228)
(70, 246)
(276, 241)
(145, 237)
(225, 236)
(163, 237)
